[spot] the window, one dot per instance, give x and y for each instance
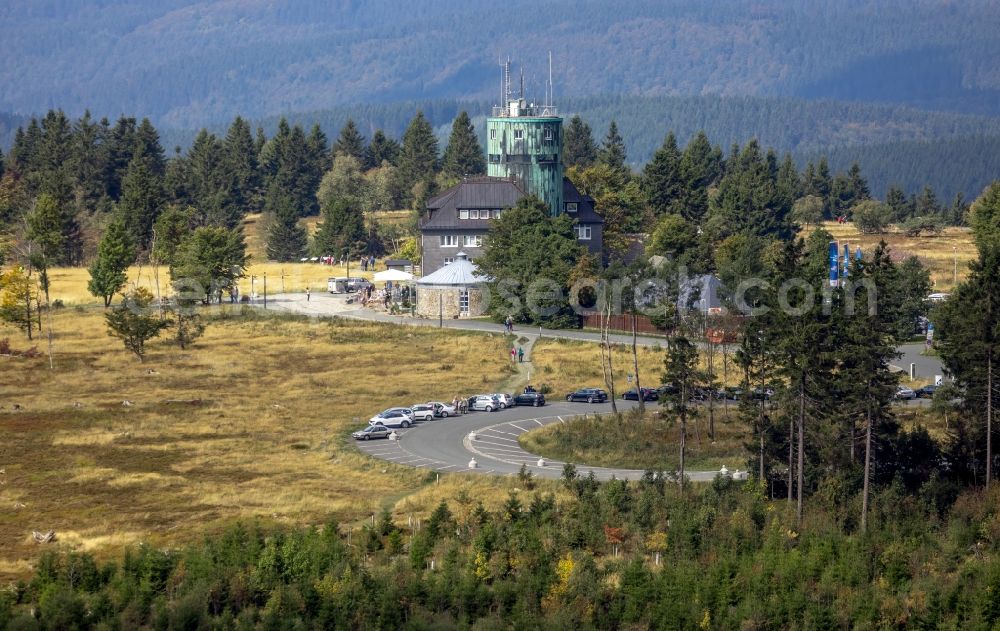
(474, 214)
(571, 207)
(493, 134)
(448, 260)
(449, 241)
(463, 213)
(473, 240)
(583, 233)
(496, 213)
(495, 158)
(463, 300)
(548, 133)
(518, 134)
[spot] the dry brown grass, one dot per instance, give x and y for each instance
(249, 424)
(937, 252)
(566, 365)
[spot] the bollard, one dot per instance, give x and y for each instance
(541, 462)
(393, 435)
(913, 371)
(473, 436)
(724, 472)
(473, 464)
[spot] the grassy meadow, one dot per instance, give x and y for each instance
(937, 252)
(250, 423)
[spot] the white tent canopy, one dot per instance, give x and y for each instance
(393, 275)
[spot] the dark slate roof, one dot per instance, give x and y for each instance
(494, 192)
(397, 262)
(584, 204)
(478, 192)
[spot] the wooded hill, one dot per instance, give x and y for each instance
(187, 62)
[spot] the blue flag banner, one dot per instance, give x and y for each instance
(834, 264)
(847, 259)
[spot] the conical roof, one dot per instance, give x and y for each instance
(460, 273)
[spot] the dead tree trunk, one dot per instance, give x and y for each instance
(802, 442)
(635, 366)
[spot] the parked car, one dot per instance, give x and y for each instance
(648, 394)
(765, 394)
(927, 392)
(590, 395)
(372, 431)
(505, 400)
(536, 399)
(734, 394)
(393, 417)
(443, 410)
(485, 402)
(422, 412)
(905, 394)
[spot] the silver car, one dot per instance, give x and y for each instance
(506, 401)
(486, 402)
(372, 431)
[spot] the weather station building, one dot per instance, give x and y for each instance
(524, 157)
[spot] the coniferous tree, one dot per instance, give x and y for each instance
(142, 200)
(89, 155)
(47, 237)
(148, 148)
(121, 147)
(464, 155)
(680, 369)
(132, 324)
(242, 167)
(699, 168)
(286, 240)
(381, 149)
(419, 156)
(114, 255)
(927, 204)
(612, 153)
(209, 260)
(661, 177)
(172, 226)
(52, 172)
(342, 230)
(579, 149)
(350, 143)
(899, 207)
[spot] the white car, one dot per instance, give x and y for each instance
(905, 394)
(422, 412)
(444, 410)
(393, 417)
(506, 401)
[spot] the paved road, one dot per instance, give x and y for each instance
(446, 444)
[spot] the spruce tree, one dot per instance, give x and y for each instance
(286, 240)
(464, 155)
(661, 177)
(350, 142)
(148, 148)
(114, 255)
(142, 200)
(89, 165)
(241, 167)
(612, 153)
(120, 149)
(579, 149)
(419, 156)
(342, 230)
(382, 149)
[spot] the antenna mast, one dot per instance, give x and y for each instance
(550, 97)
(522, 82)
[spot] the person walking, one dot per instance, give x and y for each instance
(520, 354)
(307, 294)
(513, 354)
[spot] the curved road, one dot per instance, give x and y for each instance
(445, 445)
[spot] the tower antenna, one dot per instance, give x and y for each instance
(552, 96)
(522, 82)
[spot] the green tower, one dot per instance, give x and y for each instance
(524, 142)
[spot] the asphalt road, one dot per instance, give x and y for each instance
(446, 445)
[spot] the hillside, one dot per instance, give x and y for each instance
(187, 62)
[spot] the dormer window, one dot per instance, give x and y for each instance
(463, 213)
(548, 133)
(571, 207)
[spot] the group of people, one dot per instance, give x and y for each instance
(368, 263)
(461, 405)
(508, 325)
(517, 354)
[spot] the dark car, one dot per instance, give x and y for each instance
(590, 395)
(372, 431)
(648, 394)
(927, 392)
(536, 399)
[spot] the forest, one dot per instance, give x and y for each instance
(185, 63)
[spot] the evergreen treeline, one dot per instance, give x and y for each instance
(609, 556)
(184, 63)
